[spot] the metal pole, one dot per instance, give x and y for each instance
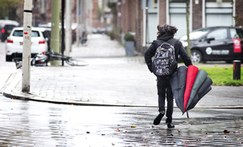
(236, 69)
(63, 31)
(26, 46)
(188, 26)
(82, 23)
(147, 31)
(68, 30)
(77, 19)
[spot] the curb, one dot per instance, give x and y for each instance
(31, 97)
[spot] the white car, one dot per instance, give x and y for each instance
(14, 43)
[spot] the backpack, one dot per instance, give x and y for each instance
(164, 61)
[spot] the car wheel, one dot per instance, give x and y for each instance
(196, 56)
(8, 58)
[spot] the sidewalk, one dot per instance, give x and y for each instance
(109, 78)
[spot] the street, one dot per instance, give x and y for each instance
(28, 123)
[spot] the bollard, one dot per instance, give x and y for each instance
(236, 69)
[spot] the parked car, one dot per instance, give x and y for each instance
(220, 43)
(47, 35)
(14, 43)
(6, 27)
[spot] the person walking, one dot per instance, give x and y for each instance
(164, 67)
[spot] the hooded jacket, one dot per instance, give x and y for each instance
(166, 37)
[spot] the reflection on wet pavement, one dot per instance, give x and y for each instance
(26, 124)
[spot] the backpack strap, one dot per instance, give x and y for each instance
(173, 42)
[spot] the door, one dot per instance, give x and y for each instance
(216, 45)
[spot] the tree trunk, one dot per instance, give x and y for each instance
(188, 27)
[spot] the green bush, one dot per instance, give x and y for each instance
(112, 35)
(129, 37)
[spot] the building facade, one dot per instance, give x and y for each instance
(142, 16)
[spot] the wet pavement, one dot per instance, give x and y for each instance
(111, 101)
(28, 123)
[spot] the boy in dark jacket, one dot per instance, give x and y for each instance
(165, 34)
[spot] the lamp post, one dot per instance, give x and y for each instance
(26, 46)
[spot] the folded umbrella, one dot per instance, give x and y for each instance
(178, 84)
(190, 79)
(204, 92)
(201, 77)
(204, 88)
(189, 85)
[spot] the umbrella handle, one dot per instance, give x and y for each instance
(187, 114)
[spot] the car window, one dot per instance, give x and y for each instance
(233, 33)
(218, 34)
(9, 27)
(194, 35)
(239, 33)
(46, 34)
(35, 34)
(19, 33)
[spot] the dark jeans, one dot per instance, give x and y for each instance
(164, 91)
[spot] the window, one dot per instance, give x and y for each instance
(35, 34)
(218, 34)
(233, 33)
(220, 1)
(155, 3)
(240, 33)
(19, 33)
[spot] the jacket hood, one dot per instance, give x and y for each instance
(165, 36)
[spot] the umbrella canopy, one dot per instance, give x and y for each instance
(178, 84)
(201, 77)
(189, 85)
(190, 79)
(203, 90)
